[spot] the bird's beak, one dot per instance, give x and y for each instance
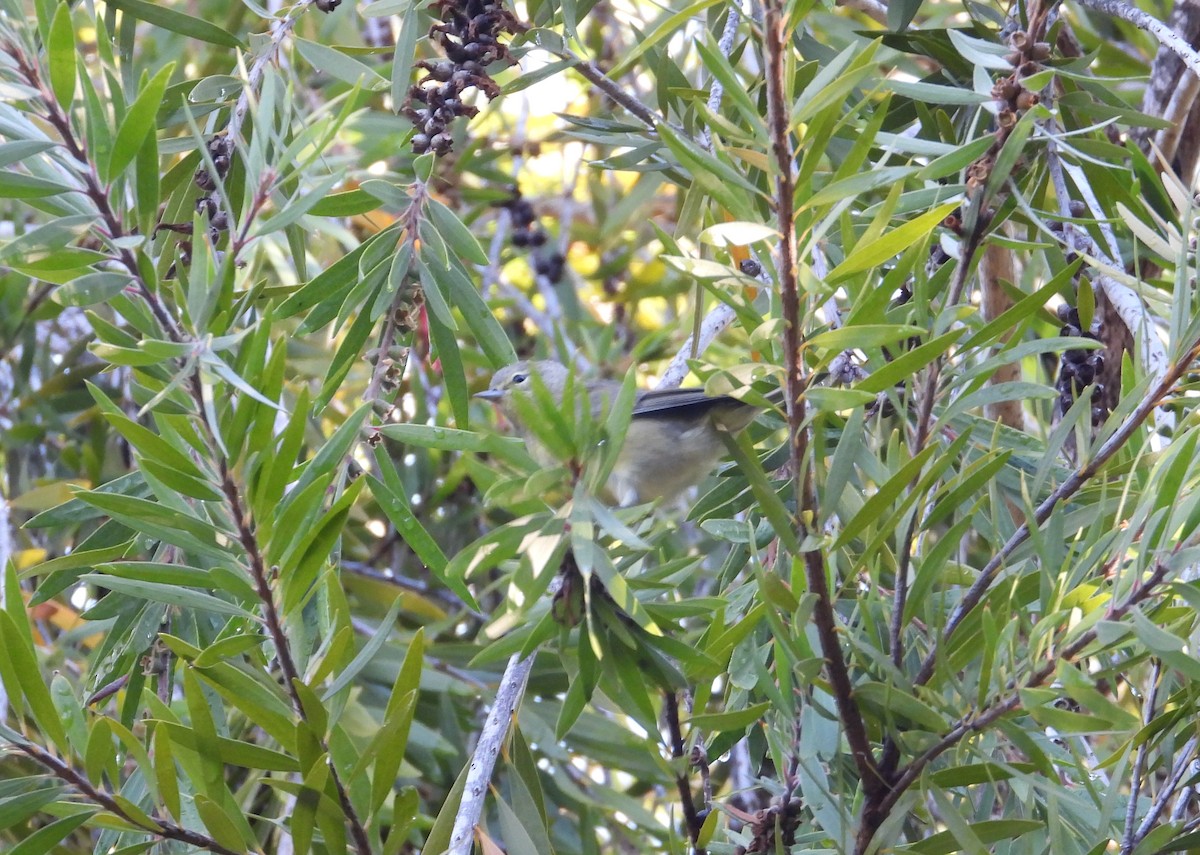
(489, 395)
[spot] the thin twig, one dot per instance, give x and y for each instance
(1068, 488)
(716, 88)
(871, 8)
(975, 722)
(775, 41)
(1149, 708)
(675, 734)
(161, 827)
(1167, 37)
(1183, 762)
(254, 75)
(195, 385)
(487, 749)
(592, 73)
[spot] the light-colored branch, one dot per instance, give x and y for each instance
(280, 30)
(487, 749)
(713, 325)
(873, 9)
(716, 89)
(996, 266)
(1167, 37)
(1183, 99)
(1183, 762)
(1127, 304)
(721, 315)
(1149, 708)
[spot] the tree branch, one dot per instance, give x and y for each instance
(775, 40)
(675, 733)
(1068, 488)
(161, 827)
(1167, 37)
(911, 773)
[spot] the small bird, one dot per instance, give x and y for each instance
(674, 435)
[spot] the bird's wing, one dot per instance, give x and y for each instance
(659, 400)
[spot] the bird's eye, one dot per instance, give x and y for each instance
(518, 379)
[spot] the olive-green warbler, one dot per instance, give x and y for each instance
(674, 435)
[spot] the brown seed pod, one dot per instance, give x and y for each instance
(1027, 99)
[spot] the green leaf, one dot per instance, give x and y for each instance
(219, 824)
(296, 208)
(333, 62)
(165, 773)
(987, 831)
(874, 509)
(898, 705)
(29, 683)
(862, 336)
(60, 48)
(17, 185)
(871, 253)
(347, 204)
(730, 719)
(395, 505)
(668, 27)
(92, 288)
(18, 808)
(406, 52)
(173, 595)
(931, 93)
(177, 22)
(161, 522)
(247, 755)
(479, 318)
(364, 656)
(711, 174)
(905, 366)
(144, 440)
(45, 839)
(138, 121)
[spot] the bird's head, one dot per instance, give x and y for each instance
(517, 379)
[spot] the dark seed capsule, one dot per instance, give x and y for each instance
(750, 267)
(537, 238)
(1064, 312)
(520, 239)
(1075, 356)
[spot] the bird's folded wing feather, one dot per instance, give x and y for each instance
(660, 400)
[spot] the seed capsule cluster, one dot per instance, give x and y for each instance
(469, 34)
(527, 233)
(1078, 368)
(220, 149)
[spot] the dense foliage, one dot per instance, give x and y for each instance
(267, 567)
